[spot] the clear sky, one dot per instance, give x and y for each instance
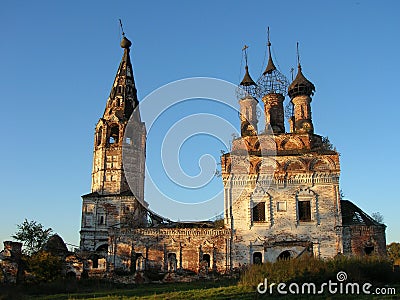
(58, 61)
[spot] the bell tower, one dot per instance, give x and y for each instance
(120, 136)
(108, 175)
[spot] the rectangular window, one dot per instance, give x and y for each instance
(259, 212)
(304, 211)
(281, 206)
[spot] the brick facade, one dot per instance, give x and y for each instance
(281, 191)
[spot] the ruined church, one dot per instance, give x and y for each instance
(281, 189)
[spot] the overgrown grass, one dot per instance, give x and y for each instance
(102, 289)
(366, 269)
(375, 270)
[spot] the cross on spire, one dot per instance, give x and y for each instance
(122, 29)
(245, 52)
(298, 55)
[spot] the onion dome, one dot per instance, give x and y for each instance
(247, 87)
(125, 43)
(247, 80)
(300, 85)
(271, 81)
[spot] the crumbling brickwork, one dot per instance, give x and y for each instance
(299, 170)
(281, 190)
(170, 249)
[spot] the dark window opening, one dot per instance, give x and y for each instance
(304, 211)
(172, 262)
(368, 250)
(95, 262)
(71, 275)
(99, 134)
(206, 257)
(101, 220)
(285, 255)
(114, 135)
(257, 258)
(259, 212)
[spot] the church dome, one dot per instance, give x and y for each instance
(301, 86)
(125, 43)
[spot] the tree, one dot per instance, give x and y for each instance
(393, 251)
(44, 266)
(33, 235)
(377, 216)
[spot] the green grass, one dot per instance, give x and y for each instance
(377, 271)
(224, 289)
(227, 292)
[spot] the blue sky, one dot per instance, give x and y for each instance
(58, 62)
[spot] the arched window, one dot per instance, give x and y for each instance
(369, 249)
(114, 135)
(285, 255)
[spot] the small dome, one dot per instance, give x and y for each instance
(125, 43)
(247, 87)
(247, 80)
(301, 86)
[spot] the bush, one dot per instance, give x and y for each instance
(44, 267)
(358, 269)
(154, 275)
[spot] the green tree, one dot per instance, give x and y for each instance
(45, 266)
(33, 235)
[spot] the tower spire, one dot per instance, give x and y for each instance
(270, 66)
(300, 85)
(123, 96)
(247, 84)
